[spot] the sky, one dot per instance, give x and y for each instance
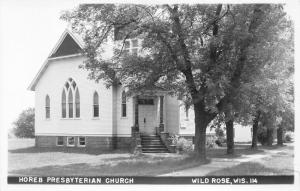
(29, 29)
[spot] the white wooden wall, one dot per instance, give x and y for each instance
(52, 83)
(187, 126)
(172, 115)
(124, 124)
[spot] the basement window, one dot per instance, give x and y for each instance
(60, 141)
(81, 141)
(70, 141)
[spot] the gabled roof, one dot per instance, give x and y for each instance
(68, 45)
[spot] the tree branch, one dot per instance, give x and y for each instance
(235, 79)
(187, 71)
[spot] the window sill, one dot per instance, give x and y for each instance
(124, 117)
(47, 119)
(70, 145)
(70, 118)
(96, 118)
(81, 145)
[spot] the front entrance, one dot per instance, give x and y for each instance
(147, 118)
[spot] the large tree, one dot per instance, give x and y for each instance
(197, 51)
(270, 93)
(270, 97)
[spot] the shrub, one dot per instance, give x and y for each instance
(181, 143)
(211, 141)
(218, 142)
(289, 136)
(219, 132)
(184, 145)
(174, 139)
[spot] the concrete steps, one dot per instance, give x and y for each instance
(153, 144)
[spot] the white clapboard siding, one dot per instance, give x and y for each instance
(124, 124)
(187, 123)
(172, 114)
(52, 83)
(187, 126)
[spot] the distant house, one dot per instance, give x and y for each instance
(73, 111)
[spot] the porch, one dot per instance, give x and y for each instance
(149, 114)
(149, 132)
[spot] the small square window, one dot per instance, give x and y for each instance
(71, 141)
(126, 51)
(134, 51)
(127, 44)
(134, 43)
(81, 141)
(60, 141)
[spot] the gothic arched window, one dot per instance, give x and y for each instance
(71, 96)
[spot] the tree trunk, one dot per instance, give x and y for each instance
(269, 136)
(254, 131)
(202, 120)
(200, 140)
(230, 137)
(280, 136)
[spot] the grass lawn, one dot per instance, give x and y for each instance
(280, 163)
(25, 159)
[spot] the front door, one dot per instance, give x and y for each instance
(147, 119)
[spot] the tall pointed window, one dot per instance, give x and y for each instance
(47, 107)
(96, 104)
(70, 100)
(70, 104)
(124, 110)
(63, 105)
(77, 104)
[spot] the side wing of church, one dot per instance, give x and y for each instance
(73, 111)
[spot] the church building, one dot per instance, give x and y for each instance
(74, 111)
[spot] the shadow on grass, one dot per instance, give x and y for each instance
(138, 157)
(91, 151)
(239, 150)
(128, 168)
(247, 168)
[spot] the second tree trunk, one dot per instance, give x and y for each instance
(280, 136)
(254, 131)
(230, 137)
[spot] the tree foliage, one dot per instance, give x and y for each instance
(207, 54)
(24, 125)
